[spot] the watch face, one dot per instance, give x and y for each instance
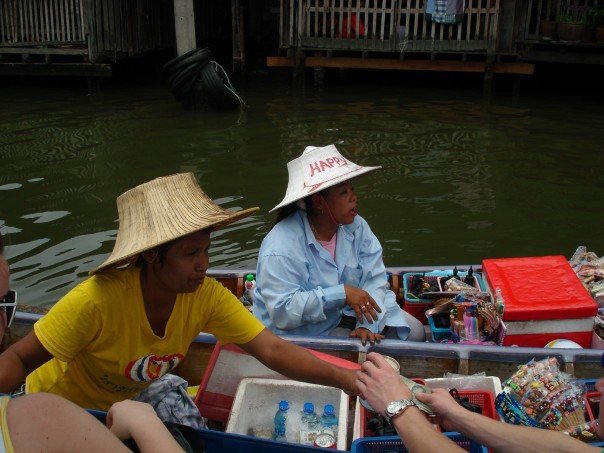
(394, 407)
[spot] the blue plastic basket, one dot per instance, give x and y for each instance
(590, 384)
(394, 444)
(219, 442)
(438, 333)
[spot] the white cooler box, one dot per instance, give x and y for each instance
(256, 402)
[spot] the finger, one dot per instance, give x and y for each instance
(368, 367)
(353, 334)
(363, 336)
(109, 420)
(359, 313)
(373, 313)
(361, 387)
(375, 305)
(363, 377)
(377, 360)
(368, 316)
(424, 397)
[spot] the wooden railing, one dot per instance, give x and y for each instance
(385, 25)
(35, 22)
(104, 29)
(538, 10)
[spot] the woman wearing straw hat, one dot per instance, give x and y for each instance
(320, 269)
(124, 327)
(51, 422)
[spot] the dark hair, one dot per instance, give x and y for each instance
(162, 251)
(289, 209)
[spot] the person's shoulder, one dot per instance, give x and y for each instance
(284, 234)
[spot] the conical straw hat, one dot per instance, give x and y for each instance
(162, 210)
(316, 169)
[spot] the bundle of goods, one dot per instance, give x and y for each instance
(541, 396)
(590, 270)
(473, 316)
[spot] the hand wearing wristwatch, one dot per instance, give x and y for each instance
(397, 407)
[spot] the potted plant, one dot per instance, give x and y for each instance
(547, 30)
(595, 19)
(569, 28)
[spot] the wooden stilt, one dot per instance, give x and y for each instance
(184, 21)
(238, 36)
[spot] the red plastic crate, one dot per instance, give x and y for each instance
(592, 405)
(482, 398)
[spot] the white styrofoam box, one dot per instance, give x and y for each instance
(356, 430)
(256, 402)
(489, 383)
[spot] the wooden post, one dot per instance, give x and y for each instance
(184, 21)
(238, 35)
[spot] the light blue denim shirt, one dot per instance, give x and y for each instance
(300, 288)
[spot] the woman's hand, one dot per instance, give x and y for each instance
(379, 384)
(362, 303)
(364, 335)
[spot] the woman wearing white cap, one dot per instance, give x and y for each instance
(320, 269)
(135, 318)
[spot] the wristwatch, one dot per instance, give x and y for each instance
(397, 407)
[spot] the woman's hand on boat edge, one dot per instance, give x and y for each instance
(364, 335)
(362, 303)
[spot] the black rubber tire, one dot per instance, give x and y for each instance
(218, 92)
(173, 61)
(180, 76)
(204, 55)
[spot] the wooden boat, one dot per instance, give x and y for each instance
(426, 360)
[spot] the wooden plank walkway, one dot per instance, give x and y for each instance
(405, 65)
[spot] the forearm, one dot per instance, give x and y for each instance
(504, 437)
(152, 436)
(299, 364)
(12, 371)
(419, 435)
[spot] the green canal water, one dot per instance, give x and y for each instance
(462, 180)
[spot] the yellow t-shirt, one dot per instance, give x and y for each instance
(6, 444)
(104, 348)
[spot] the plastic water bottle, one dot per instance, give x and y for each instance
(280, 421)
(310, 419)
(248, 290)
(329, 420)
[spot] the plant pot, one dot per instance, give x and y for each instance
(600, 33)
(570, 32)
(547, 30)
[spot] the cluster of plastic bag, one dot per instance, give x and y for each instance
(542, 396)
(590, 270)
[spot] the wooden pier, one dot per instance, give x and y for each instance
(494, 36)
(80, 37)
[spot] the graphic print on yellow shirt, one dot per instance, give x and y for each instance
(152, 367)
(104, 347)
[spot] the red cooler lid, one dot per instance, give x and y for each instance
(536, 288)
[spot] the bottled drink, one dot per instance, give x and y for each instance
(329, 420)
(280, 421)
(310, 419)
(248, 290)
(469, 278)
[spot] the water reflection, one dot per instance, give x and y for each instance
(460, 181)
